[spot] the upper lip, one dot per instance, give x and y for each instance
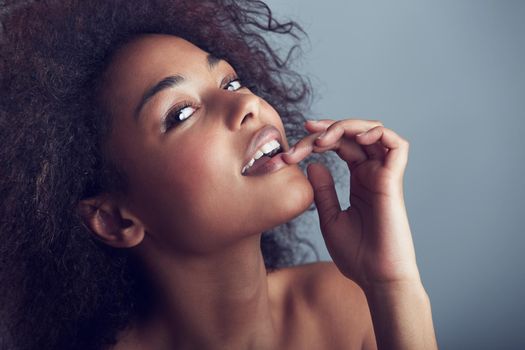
(261, 137)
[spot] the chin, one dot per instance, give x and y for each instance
(291, 195)
(295, 198)
(300, 196)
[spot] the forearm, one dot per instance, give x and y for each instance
(402, 317)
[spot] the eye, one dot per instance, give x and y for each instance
(178, 114)
(233, 84)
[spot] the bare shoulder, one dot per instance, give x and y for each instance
(337, 304)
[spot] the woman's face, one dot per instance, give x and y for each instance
(185, 177)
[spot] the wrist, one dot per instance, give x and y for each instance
(401, 315)
(412, 286)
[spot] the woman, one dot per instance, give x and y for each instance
(147, 153)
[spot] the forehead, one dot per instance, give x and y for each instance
(145, 60)
(153, 52)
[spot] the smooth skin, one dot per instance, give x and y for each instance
(370, 242)
(195, 222)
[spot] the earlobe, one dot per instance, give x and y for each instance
(109, 223)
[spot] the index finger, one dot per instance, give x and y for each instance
(323, 124)
(347, 127)
(301, 149)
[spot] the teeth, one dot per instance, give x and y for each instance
(258, 154)
(269, 148)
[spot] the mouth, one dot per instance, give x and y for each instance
(261, 156)
(265, 145)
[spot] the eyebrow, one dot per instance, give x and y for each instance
(212, 61)
(169, 82)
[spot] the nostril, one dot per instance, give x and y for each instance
(247, 106)
(246, 116)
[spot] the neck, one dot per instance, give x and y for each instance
(214, 301)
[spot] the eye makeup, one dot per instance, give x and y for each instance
(185, 109)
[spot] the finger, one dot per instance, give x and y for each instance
(351, 152)
(325, 196)
(321, 124)
(375, 151)
(333, 139)
(316, 125)
(301, 149)
(397, 155)
(347, 127)
(347, 149)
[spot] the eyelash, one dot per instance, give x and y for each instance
(172, 117)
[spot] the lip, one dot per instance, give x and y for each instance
(264, 135)
(274, 164)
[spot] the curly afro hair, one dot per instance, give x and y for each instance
(61, 289)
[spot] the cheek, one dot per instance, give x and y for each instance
(189, 197)
(194, 198)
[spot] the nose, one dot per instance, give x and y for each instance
(241, 108)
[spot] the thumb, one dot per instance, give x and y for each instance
(325, 196)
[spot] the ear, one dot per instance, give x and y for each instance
(110, 223)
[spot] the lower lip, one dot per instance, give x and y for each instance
(274, 164)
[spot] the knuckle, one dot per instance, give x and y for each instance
(324, 189)
(337, 126)
(324, 205)
(311, 137)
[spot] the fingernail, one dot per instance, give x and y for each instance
(321, 136)
(291, 150)
(361, 134)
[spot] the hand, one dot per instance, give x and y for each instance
(370, 242)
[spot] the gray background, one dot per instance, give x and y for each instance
(448, 76)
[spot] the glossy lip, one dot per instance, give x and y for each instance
(271, 166)
(264, 135)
